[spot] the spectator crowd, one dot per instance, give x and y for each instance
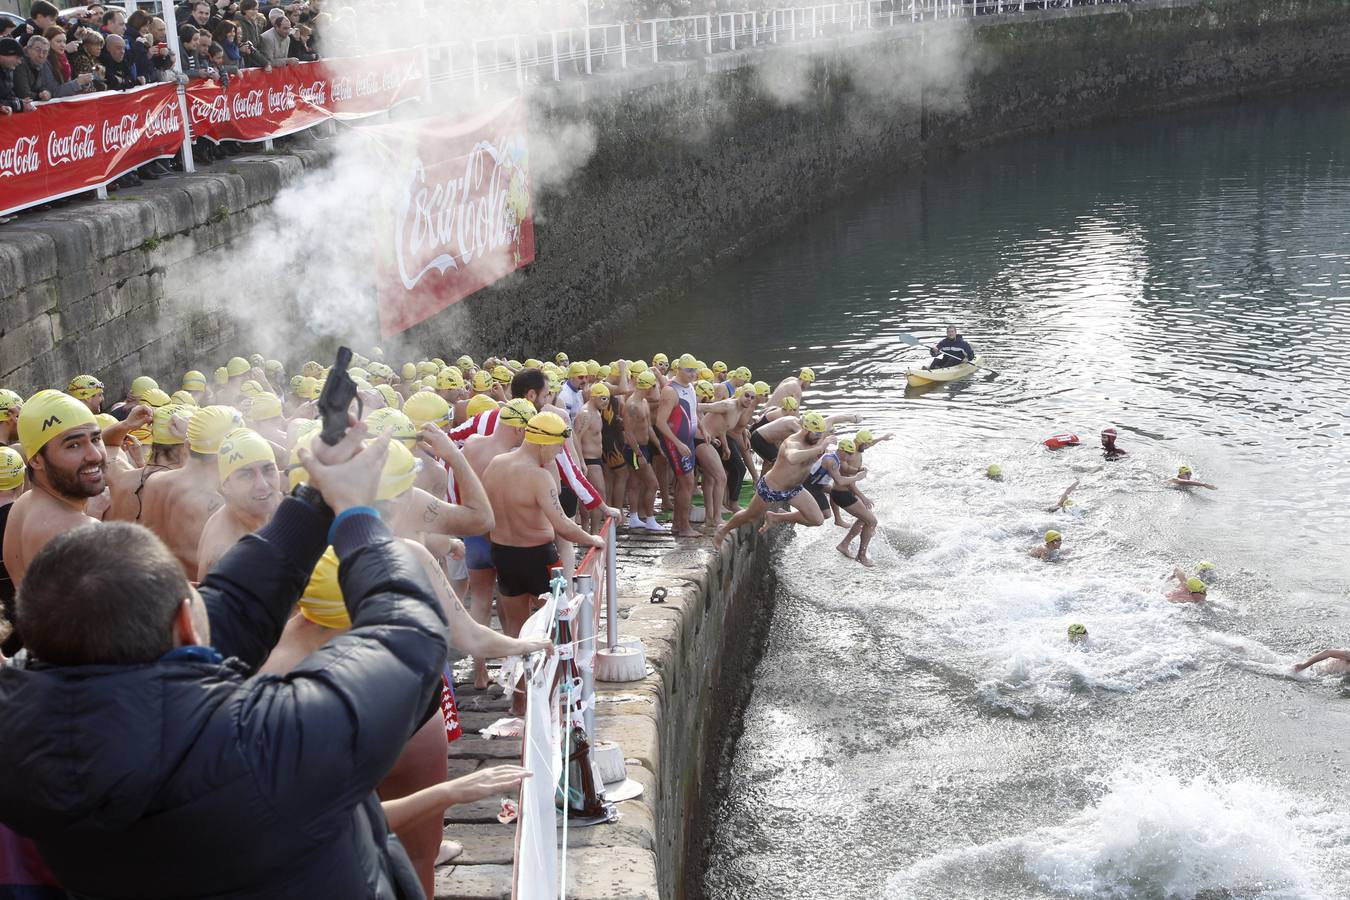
(225, 638)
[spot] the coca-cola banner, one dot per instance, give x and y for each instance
(256, 104)
(67, 146)
(461, 214)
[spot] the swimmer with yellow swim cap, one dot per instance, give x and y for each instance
(792, 386)
(177, 504)
(66, 467)
(88, 390)
(168, 451)
(1190, 588)
(1052, 549)
(1185, 477)
(251, 485)
(1064, 502)
(10, 404)
(846, 495)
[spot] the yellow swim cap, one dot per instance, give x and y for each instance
(312, 369)
(517, 413)
(514, 365)
(256, 359)
(846, 445)
(1195, 585)
(706, 375)
(322, 601)
(105, 421)
(813, 422)
(449, 379)
(388, 417)
(790, 403)
(242, 447)
(577, 370)
(250, 387)
(183, 398)
(719, 367)
(261, 407)
(1052, 536)
(194, 380)
(600, 389)
(400, 470)
(482, 380)
(9, 401)
(704, 389)
(808, 375)
(391, 397)
(309, 388)
(49, 414)
(409, 371)
(994, 471)
(426, 367)
(11, 468)
(761, 388)
(864, 436)
(606, 371)
(480, 404)
(161, 428)
(592, 369)
(744, 390)
(646, 379)
(145, 435)
(297, 474)
(637, 367)
(222, 376)
(273, 366)
(502, 375)
(1204, 566)
(560, 358)
(687, 361)
(236, 366)
(464, 362)
(547, 429)
(208, 427)
(82, 387)
(533, 363)
(742, 373)
(1183, 471)
(424, 406)
(140, 385)
(660, 358)
(1077, 631)
(155, 398)
(552, 384)
(428, 382)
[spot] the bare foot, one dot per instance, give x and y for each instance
(719, 536)
(688, 532)
(865, 559)
(480, 677)
(843, 548)
(837, 521)
(765, 527)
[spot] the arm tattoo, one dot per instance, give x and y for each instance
(431, 513)
(553, 500)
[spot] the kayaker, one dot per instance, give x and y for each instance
(1186, 478)
(953, 350)
(1052, 549)
(1109, 448)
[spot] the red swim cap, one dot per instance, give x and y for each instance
(1108, 432)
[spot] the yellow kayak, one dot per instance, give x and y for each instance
(919, 377)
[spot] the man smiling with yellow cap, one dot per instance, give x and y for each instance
(66, 464)
(250, 484)
(178, 503)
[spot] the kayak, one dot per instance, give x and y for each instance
(918, 377)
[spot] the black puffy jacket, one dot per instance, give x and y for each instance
(188, 778)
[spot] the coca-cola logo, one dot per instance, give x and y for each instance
(76, 146)
(445, 225)
(214, 111)
(342, 89)
(248, 105)
(163, 120)
(281, 100)
(21, 158)
(119, 133)
(315, 94)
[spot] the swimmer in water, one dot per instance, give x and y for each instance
(1206, 572)
(994, 472)
(1191, 590)
(1078, 635)
(1064, 502)
(1109, 448)
(1338, 662)
(1185, 478)
(1052, 549)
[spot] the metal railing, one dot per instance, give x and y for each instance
(584, 50)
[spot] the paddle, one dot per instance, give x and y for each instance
(915, 342)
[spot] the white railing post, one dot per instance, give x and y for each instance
(587, 43)
(754, 38)
(793, 13)
(557, 75)
(477, 87)
(520, 73)
(733, 30)
(707, 23)
(612, 587)
(654, 47)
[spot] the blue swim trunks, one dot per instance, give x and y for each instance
(478, 552)
(769, 495)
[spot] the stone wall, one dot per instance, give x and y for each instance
(697, 160)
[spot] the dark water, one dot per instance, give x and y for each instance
(924, 729)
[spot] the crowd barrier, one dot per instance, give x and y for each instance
(84, 143)
(560, 721)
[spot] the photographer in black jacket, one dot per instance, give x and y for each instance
(145, 758)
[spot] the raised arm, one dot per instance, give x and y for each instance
(473, 515)
(1342, 655)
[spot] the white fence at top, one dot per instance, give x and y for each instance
(586, 50)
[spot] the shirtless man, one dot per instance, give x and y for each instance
(177, 504)
(10, 406)
(589, 435)
(1052, 549)
(772, 428)
(847, 495)
(720, 421)
(783, 482)
(792, 387)
(127, 483)
(523, 488)
(66, 461)
(479, 452)
(12, 472)
(1186, 478)
(251, 488)
(709, 459)
(637, 432)
(676, 427)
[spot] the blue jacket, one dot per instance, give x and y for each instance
(193, 778)
(960, 351)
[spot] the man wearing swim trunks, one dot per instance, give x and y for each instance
(846, 495)
(676, 427)
(775, 426)
(523, 489)
(479, 451)
(720, 420)
(589, 435)
(637, 431)
(783, 482)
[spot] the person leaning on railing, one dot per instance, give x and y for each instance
(11, 55)
(147, 758)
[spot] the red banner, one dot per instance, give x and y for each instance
(462, 215)
(256, 104)
(68, 146)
